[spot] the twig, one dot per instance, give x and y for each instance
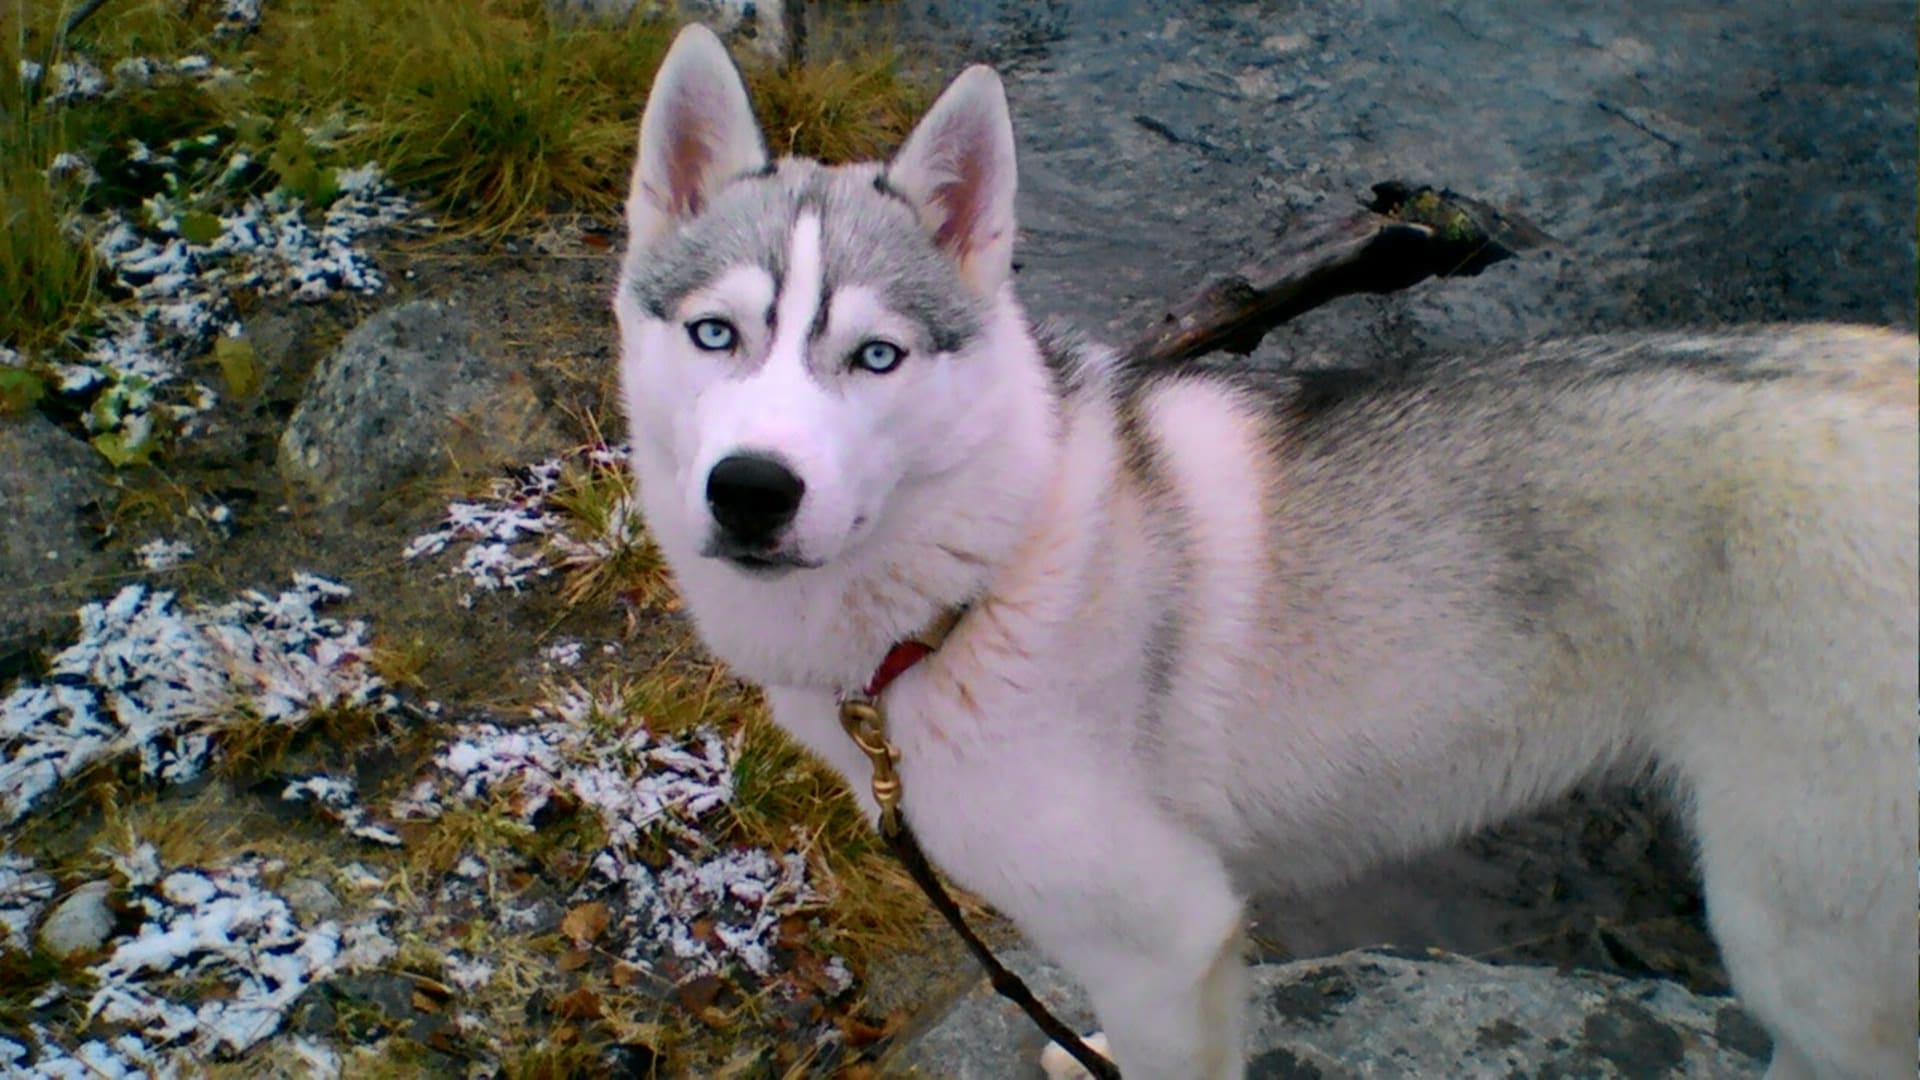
(78, 16)
(1405, 235)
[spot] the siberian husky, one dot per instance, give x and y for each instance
(1231, 632)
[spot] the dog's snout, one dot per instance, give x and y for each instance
(753, 496)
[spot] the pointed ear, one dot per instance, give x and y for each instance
(958, 168)
(697, 133)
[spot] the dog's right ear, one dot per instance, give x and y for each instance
(697, 133)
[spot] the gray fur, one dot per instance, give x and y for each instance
(870, 236)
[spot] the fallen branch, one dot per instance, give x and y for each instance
(1404, 236)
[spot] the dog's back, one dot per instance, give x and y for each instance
(1488, 579)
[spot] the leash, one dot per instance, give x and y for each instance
(866, 724)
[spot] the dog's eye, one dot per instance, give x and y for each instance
(878, 356)
(713, 335)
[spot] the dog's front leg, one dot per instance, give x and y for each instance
(1143, 916)
(1138, 910)
(1163, 1042)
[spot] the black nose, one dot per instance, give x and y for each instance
(753, 497)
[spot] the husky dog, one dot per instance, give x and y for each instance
(1232, 632)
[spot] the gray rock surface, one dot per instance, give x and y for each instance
(414, 389)
(80, 922)
(48, 482)
(757, 27)
(1377, 1014)
(309, 898)
(1733, 163)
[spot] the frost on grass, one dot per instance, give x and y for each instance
(182, 268)
(162, 554)
(338, 801)
(24, 892)
(183, 257)
(156, 681)
(217, 926)
(518, 532)
(697, 909)
(210, 971)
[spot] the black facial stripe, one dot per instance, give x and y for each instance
(819, 326)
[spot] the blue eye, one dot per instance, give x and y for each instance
(878, 356)
(713, 335)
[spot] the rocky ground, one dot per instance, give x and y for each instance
(351, 884)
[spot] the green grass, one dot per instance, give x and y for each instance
(491, 111)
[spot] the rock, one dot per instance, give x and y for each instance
(309, 898)
(757, 27)
(1736, 165)
(48, 482)
(410, 391)
(79, 923)
(1376, 1013)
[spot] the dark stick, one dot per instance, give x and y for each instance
(1404, 236)
(78, 16)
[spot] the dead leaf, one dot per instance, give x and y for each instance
(575, 959)
(793, 932)
(862, 1032)
(586, 922)
(626, 976)
(582, 1004)
(697, 994)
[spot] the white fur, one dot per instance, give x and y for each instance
(1351, 686)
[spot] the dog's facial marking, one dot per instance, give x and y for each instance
(797, 298)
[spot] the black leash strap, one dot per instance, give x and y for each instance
(901, 839)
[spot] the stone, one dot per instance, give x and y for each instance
(1370, 1013)
(412, 391)
(309, 898)
(49, 482)
(757, 28)
(80, 923)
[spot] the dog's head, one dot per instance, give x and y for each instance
(799, 343)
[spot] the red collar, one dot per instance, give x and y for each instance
(910, 651)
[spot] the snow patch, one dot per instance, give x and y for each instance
(163, 554)
(157, 679)
(518, 532)
(24, 893)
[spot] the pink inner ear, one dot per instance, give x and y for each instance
(962, 197)
(689, 151)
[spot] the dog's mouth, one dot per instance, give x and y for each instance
(763, 564)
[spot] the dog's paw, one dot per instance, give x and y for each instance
(1060, 1065)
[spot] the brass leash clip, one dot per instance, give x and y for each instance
(861, 718)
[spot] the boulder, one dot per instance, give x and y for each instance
(79, 923)
(1378, 1013)
(49, 481)
(412, 391)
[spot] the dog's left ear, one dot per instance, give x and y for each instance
(958, 168)
(697, 133)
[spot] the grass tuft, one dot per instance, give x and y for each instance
(849, 108)
(491, 109)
